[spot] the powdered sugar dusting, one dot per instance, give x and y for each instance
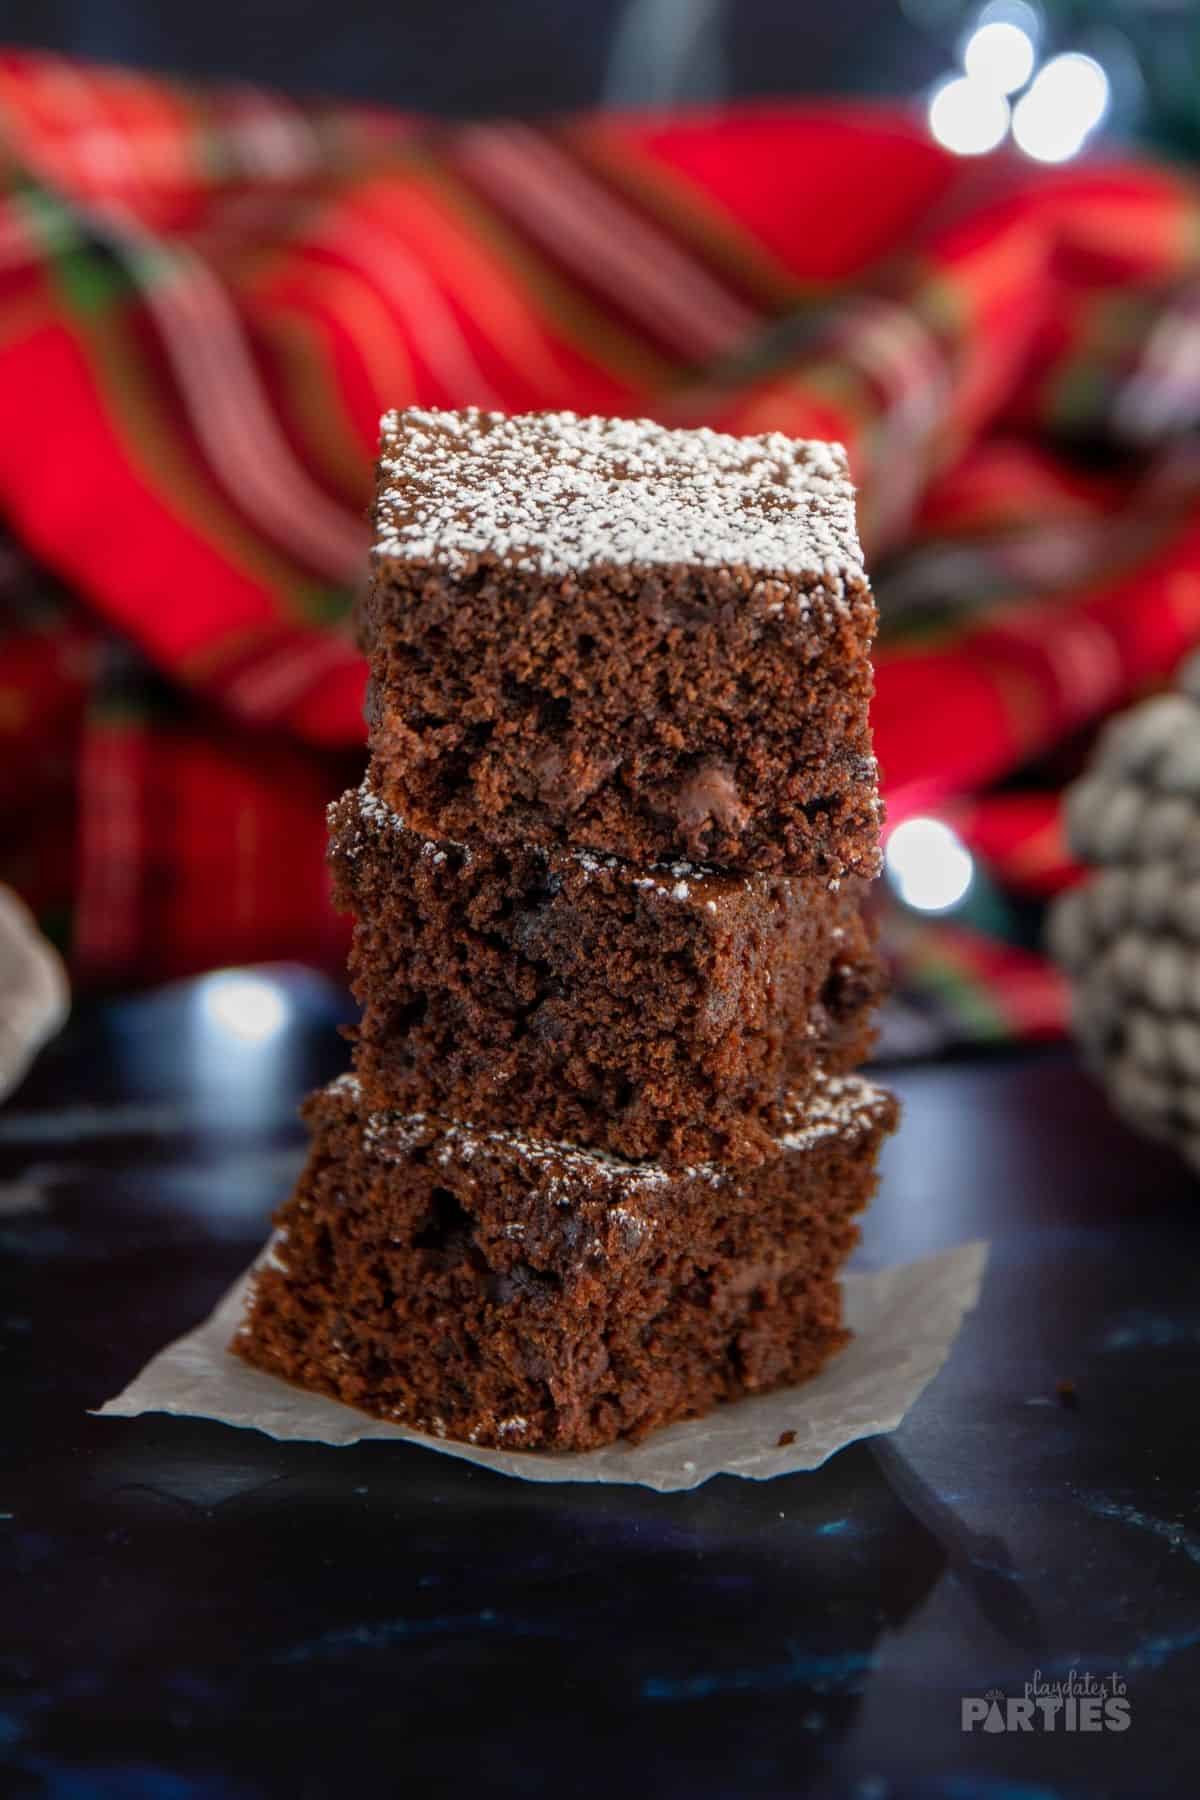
(561, 1161)
(556, 492)
(671, 880)
(376, 814)
(839, 1105)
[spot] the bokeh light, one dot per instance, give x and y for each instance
(1068, 99)
(968, 117)
(928, 865)
(1000, 54)
(244, 1006)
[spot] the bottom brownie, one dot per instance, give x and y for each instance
(483, 1285)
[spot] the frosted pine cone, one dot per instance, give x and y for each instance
(1129, 938)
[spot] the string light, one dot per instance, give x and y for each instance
(928, 865)
(968, 117)
(243, 1006)
(1060, 105)
(1066, 102)
(1000, 54)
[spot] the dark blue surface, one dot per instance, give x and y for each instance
(188, 1610)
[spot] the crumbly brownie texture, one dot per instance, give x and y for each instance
(603, 634)
(511, 1292)
(656, 1012)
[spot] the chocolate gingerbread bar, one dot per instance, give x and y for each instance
(662, 1012)
(604, 635)
(499, 1288)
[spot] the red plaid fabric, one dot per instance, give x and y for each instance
(207, 297)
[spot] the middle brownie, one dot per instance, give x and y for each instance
(658, 1012)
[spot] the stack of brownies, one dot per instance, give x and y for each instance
(599, 1163)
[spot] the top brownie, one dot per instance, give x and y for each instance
(603, 634)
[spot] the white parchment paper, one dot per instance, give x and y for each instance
(905, 1320)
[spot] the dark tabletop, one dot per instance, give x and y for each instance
(188, 1610)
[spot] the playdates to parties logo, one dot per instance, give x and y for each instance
(1074, 1702)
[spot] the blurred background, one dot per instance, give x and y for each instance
(963, 238)
(477, 58)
